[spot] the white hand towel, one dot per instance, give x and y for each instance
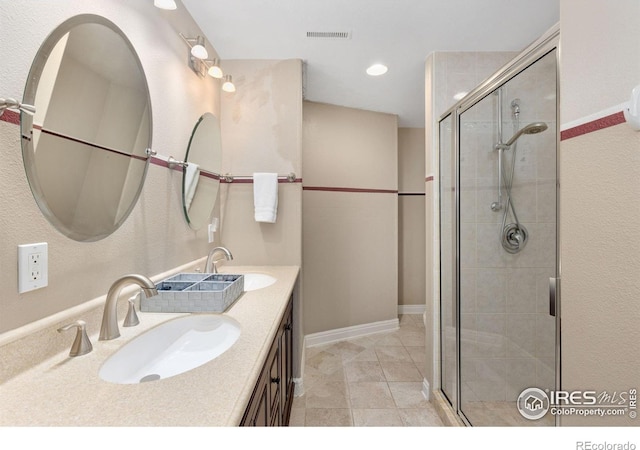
(265, 196)
(191, 178)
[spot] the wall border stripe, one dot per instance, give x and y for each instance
(250, 181)
(592, 117)
(14, 118)
(344, 189)
(163, 163)
(594, 125)
(10, 117)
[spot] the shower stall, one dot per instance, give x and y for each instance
(499, 268)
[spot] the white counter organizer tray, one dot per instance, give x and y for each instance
(195, 292)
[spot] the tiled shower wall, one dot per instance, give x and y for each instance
(508, 336)
(447, 74)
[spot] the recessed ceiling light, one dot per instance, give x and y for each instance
(377, 69)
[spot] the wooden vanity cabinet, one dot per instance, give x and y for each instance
(271, 401)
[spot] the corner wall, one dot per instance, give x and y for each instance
(262, 132)
(350, 217)
(411, 222)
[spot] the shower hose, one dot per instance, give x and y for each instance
(513, 235)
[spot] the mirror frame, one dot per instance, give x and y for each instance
(26, 123)
(205, 172)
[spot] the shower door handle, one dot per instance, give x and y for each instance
(554, 290)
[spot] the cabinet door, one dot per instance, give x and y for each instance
(276, 418)
(270, 404)
(261, 415)
(274, 381)
(286, 365)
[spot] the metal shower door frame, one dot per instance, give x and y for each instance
(541, 47)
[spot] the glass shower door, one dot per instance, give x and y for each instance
(507, 246)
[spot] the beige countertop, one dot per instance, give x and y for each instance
(65, 391)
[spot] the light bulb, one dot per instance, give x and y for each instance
(198, 50)
(228, 85)
(215, 71)
(165, 4)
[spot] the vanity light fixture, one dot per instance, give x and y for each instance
(165, 4)
(202, 66)
(228, 85)
(11, 103)
(198, 58)
(377, 69)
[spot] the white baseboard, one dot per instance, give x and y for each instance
(426, 391)
(412, 309)
(340, 334)
(298, 387)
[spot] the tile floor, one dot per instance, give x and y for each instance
(374, 380)
(501, 414)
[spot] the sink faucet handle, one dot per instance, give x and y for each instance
(132, 317)
(81, 344)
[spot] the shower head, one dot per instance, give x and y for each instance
(532, 128)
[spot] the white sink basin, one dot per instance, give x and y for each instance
(171, 348)
(253, 281)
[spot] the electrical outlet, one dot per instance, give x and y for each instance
(33, 267)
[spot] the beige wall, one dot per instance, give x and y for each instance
(350, 259)
(599, 211)
(411, 217)
(599, 69)
(262, 132)
(155, 237)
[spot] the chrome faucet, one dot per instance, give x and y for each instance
(109, 329)
(210, 265)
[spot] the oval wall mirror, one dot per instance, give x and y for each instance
(201, 179)
(85, 150)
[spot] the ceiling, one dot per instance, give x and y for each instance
(398, 33)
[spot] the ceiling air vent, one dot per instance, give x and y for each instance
(329, 34)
